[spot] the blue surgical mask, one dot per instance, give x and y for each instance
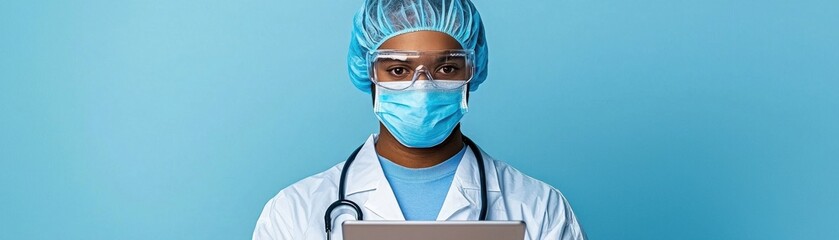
(422, 115)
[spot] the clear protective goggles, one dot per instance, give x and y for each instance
(409, 66)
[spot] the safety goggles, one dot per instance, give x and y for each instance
(409, 66)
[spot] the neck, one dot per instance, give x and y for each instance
(388, 147)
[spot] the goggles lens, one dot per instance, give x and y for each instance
(410, 66)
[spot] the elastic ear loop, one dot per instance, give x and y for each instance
(376, 98)
(464, 104)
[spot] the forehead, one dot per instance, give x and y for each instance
(421, 41)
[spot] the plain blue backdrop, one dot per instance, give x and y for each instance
(656, 119)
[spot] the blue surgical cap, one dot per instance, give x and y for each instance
(379, 20)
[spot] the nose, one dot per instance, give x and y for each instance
(421, 73)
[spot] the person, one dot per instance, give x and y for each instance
(419, 59)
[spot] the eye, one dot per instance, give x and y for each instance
(447, 70)
(398, 71)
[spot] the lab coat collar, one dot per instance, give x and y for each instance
(366, 174)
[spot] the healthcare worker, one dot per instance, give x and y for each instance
(419, 59)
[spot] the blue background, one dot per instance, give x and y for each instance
(657, 119)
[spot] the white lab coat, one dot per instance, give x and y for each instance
(297, 212)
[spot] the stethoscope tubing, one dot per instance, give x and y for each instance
(343, 201)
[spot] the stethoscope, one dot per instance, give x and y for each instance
(343, 201)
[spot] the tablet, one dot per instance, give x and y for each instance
(436, 230)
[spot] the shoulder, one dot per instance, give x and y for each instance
(291, 209)
(538, 201)
(514, 181)
(309, 186)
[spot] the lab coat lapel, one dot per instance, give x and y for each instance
(456, 205)
(463, 201)
(362, 175)
(382, 202)
(367, 175)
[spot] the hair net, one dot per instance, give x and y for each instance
(379, 20)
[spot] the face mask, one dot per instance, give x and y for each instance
(422, 115)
